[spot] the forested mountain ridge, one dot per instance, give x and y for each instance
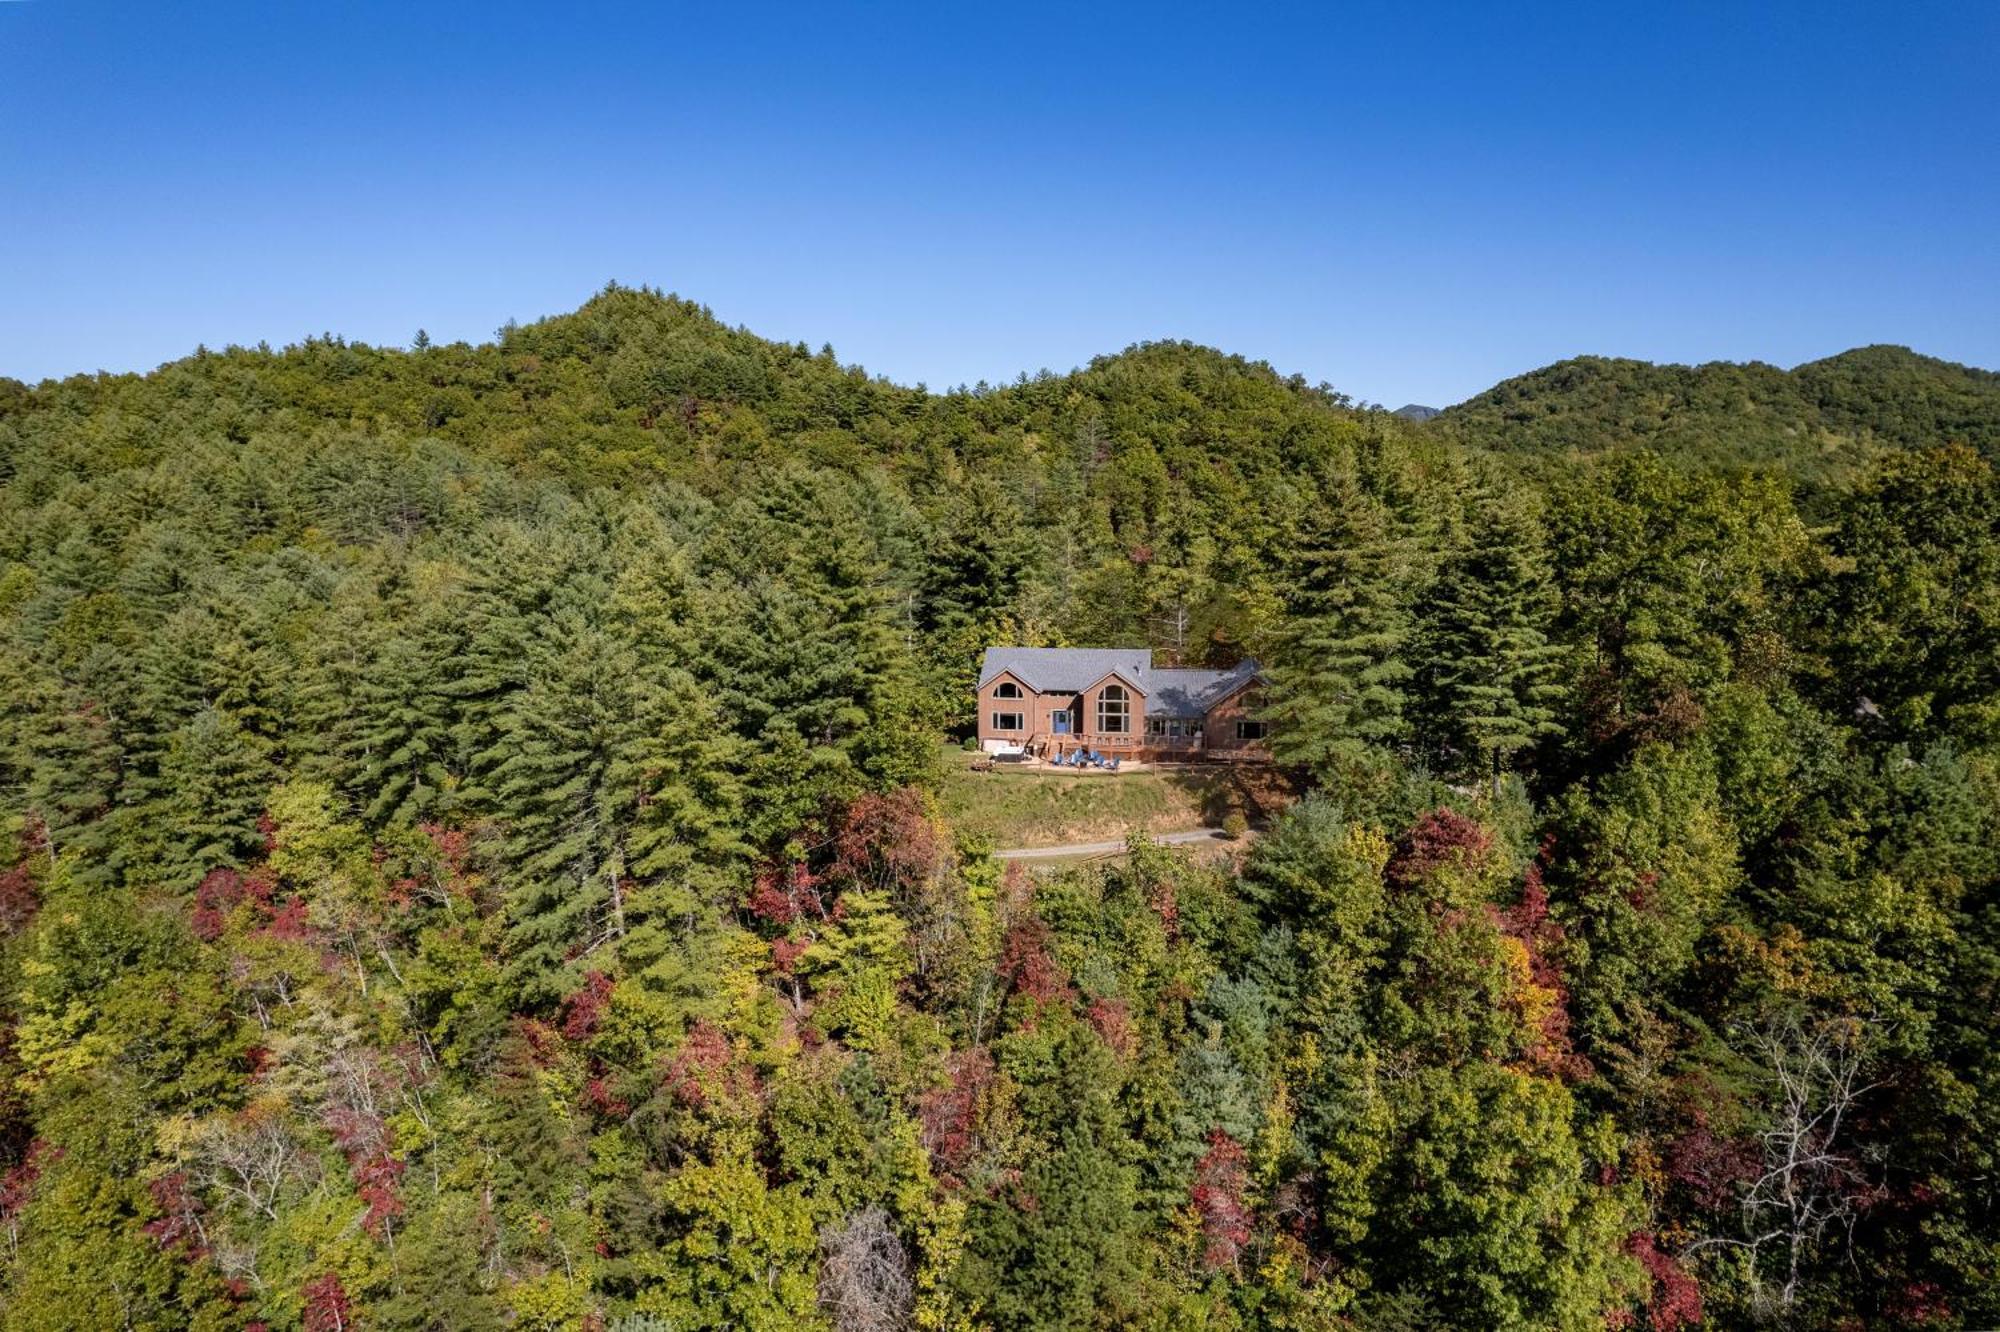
(474, 860)
(1819, 421)
(641, 377)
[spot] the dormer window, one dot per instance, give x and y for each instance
(1007, 689)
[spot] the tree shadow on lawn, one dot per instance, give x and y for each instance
(1259, 792)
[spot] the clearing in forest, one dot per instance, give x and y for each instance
(1016, 807)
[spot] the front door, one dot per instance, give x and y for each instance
(1060, 721)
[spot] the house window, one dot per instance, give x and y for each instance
(1249, 730)
(1007, 689)
(1156, 726)
(1006, 721)
(1114, 711)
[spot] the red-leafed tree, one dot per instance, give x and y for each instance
(950, 1114)
(1675, 1298)
(888, 842)
(783, 894)
(1028, 964)
(179, 1224)
(327, 1307)
(1528, 921)
(1220, 1180)
(1441, 838)
(1112, 1020)
(19, 895)
(17, 1187)
(703, 1068)
(584, 1008)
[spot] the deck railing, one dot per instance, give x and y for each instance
(1118, 740)
(1162, 748)
(1097, 740)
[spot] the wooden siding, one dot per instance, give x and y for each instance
(1037, 711)
(1219, 736)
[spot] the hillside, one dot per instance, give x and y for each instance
(476, 850)
(1819, 422)
(1151, 450)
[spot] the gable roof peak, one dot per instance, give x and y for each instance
(1169, 691)
(1056, 670)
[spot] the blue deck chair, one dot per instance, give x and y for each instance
(1115, 762)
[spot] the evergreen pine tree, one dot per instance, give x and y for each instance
(808, 642)
(69, 761)
(214, 780)
(332, 670)
(404, 755)
(977, 561)
(563, 740)
(518, 574)
(1338, 674)
(682, 766)
(1486, 688)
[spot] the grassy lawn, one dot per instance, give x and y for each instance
(1041, 808)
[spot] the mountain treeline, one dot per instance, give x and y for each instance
(473, 858)
(1819, 424)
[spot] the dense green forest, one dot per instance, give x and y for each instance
(473, 855)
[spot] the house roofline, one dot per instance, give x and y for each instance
(1248, 681)
(1006, 674)
(1127, 680)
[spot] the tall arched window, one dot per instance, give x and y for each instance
(1114, 711)
(1007, 689)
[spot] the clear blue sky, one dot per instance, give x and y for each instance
(1409, 201)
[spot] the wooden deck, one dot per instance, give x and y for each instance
(1134, 750)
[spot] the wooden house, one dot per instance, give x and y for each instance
(1048, 701)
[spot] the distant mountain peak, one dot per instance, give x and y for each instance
(1819, 421)
(1415, 411)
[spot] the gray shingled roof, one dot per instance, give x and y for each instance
(1171, 691)
(1177, 692)
(1051, 669)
